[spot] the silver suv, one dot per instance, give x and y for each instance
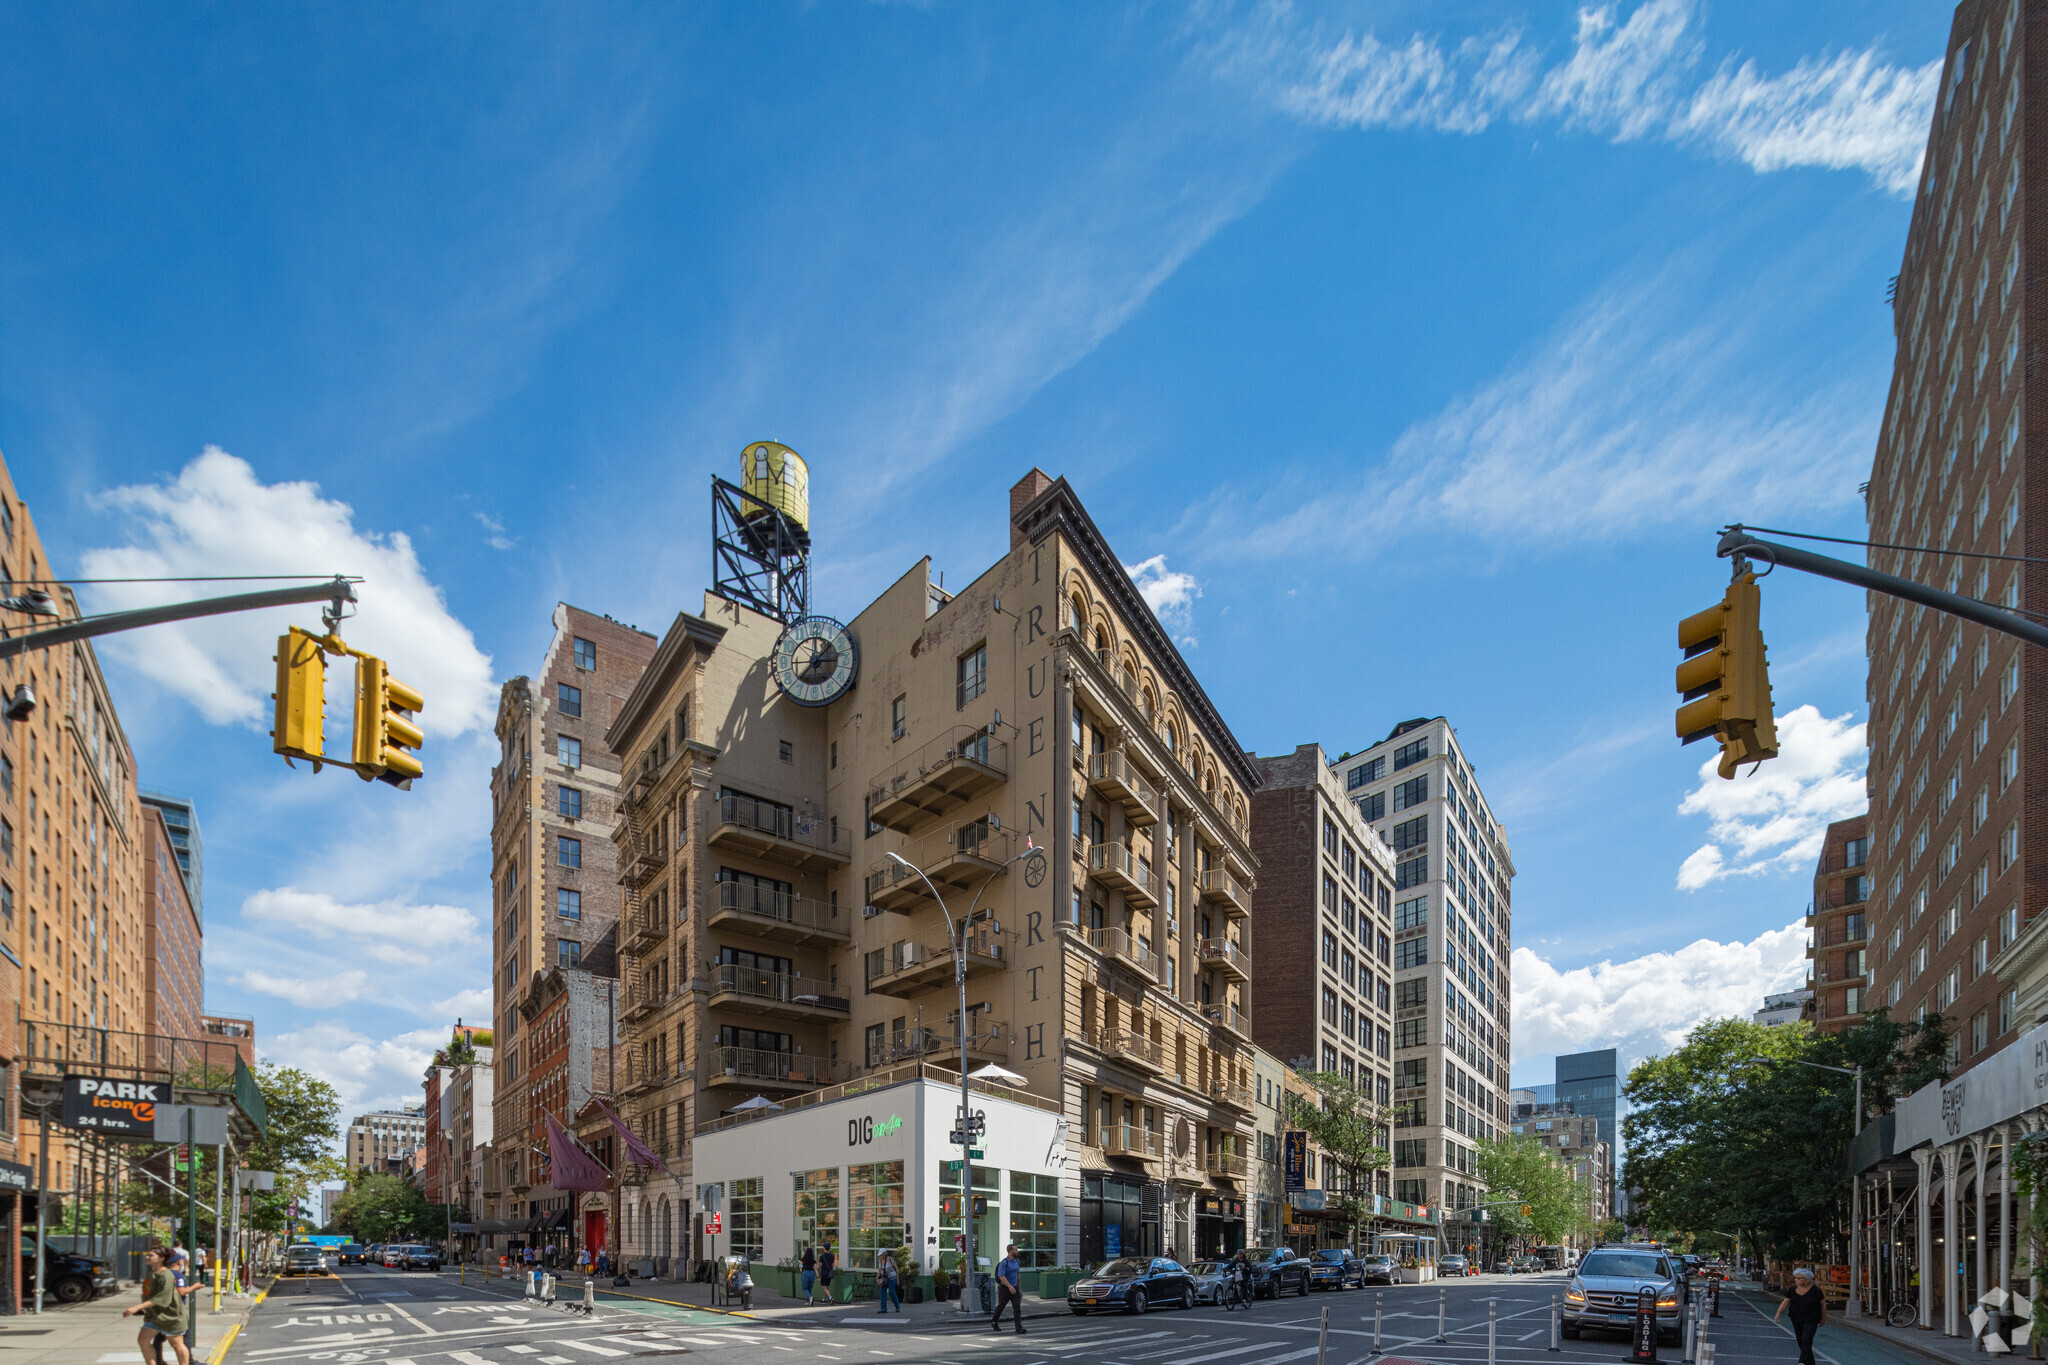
(1603, 1290)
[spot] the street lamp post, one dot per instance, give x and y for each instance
(958, 936)
(1855, 1180)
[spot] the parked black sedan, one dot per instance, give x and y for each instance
(417, 1257)
(1335, 1268)
(1275, 1270)
(1132, 1284)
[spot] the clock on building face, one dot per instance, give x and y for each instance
(815, 661)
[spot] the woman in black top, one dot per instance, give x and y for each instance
(1808, 1307)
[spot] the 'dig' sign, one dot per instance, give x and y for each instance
(106, 1105)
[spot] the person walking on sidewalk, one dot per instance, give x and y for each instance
(810, 1268)
(885, 1284)
(1009, 1290)
(1808, 1309)
(163, 1311)
(828, 1264)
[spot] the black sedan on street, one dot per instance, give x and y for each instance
(416, 1257)
(1335, 1268)
(1132, 1284)
(1276, 1270)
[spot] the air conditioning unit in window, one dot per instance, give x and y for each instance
(870, 911)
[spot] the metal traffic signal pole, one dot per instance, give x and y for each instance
(1738, 542)
(337, 590)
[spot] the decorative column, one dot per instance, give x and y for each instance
(1923, 1159)
(1951, 1255)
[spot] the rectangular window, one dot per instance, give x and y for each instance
(1412, 952)
(2009, 846)
(569, 802)
(586, 653)
(899, 717)
(1372, 806)
(971, 671)
(1411, 753)
(1413, 792)
(568, 904)
(1411, 1072)
(1411, 833)
(746, 1222)
(1411, 914)
(787, 752)
(568, 952)
(1411, 1033)
(570, 751)
(1411, 872)
(1411, 995)
(569, 700)
(1035, 1219)
(568, 852)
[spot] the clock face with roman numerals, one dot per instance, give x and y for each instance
(815, 661)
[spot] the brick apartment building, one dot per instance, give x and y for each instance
(1958, 835)
(1840, 945)
(554, 799)
(174, 974)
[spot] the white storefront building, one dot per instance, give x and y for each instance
(866, 1172)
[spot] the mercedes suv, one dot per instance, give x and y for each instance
(1603, 1290)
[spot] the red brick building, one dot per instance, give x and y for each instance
(1958, 809)
(1840, 946)
(174, 979)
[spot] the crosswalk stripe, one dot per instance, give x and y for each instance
(1233, 1351)
(468, 1358)
(555, 1360)
(591, 1347)
(523, 1350)
(1269, 1360)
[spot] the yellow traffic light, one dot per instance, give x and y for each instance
(384, 728)
(1528, 1209)
(1725, 681)
(298, 724)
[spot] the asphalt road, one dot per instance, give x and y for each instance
(378, 1317)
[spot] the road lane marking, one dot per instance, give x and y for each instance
(468, 1358)
(523, 1350)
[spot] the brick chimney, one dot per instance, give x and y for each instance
(1021, 494)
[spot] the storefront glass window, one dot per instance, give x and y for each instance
(746, 1218)
(817, 1209)
(988, 1223)
(1035, 1219)
(874, 1198)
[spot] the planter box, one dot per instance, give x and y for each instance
(1054, 1284)
(913, 1293)
(1419, 1274)
(784, 1280)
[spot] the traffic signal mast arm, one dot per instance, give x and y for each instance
(1739, 542)
(337, 591)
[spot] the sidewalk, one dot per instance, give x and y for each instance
(1927, 1345)
(96, 1334)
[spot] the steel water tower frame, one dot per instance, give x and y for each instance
(761, 534)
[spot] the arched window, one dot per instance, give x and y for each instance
(1076, 613)
(1172, 738)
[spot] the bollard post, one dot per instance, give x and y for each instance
(1714, 1298)
(1557, 1322)
(1379, 1304)
(1706, 1354)
(1323, 1337)
(1492, 1323)
(1440, 1317)
(589, 1297)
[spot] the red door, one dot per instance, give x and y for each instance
(593, 1231)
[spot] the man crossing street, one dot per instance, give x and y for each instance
(1009, 1290)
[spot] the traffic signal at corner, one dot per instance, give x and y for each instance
(298, 728)
(385, 734)
(1724, 681)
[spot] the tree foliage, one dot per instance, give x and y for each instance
(1351, 1130)
(1721, 1142)
(1522, 1169)
(378, 1207)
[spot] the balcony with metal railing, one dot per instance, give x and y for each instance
(782, 995)
(1227, 957)
(939, 778)
(776, 833)
(1226, 1166)
(907, 967)
(985, 1037)
(1131, 1046)
(751, 1068)
(1122, 947)
(1219, 887)
(1129, 1140)
(958, 858)
(1117, 866)
(1112, 773)
(1228, 1016)
(766, 912)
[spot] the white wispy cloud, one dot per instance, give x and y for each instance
(216, 517)
(1171, 594)
(473, 1004)
(1646, 1005)
(1640, 409)
(415, 927)
(497, 539)
(1774, 816)
(367, 1073)
(313, 992)
(1628, 76)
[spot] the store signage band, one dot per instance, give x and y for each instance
(108, 1105)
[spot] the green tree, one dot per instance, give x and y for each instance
(1521, 1169)
(1352, 1132)
(1731, 1133)
(378, 1207)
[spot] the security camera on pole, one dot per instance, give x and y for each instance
(965, 1134)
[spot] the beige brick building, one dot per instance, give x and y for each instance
(772, 946)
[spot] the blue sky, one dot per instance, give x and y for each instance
(1429, 345)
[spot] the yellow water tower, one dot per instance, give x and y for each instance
(772, 473)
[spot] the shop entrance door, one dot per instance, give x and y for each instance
(593, 1231)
